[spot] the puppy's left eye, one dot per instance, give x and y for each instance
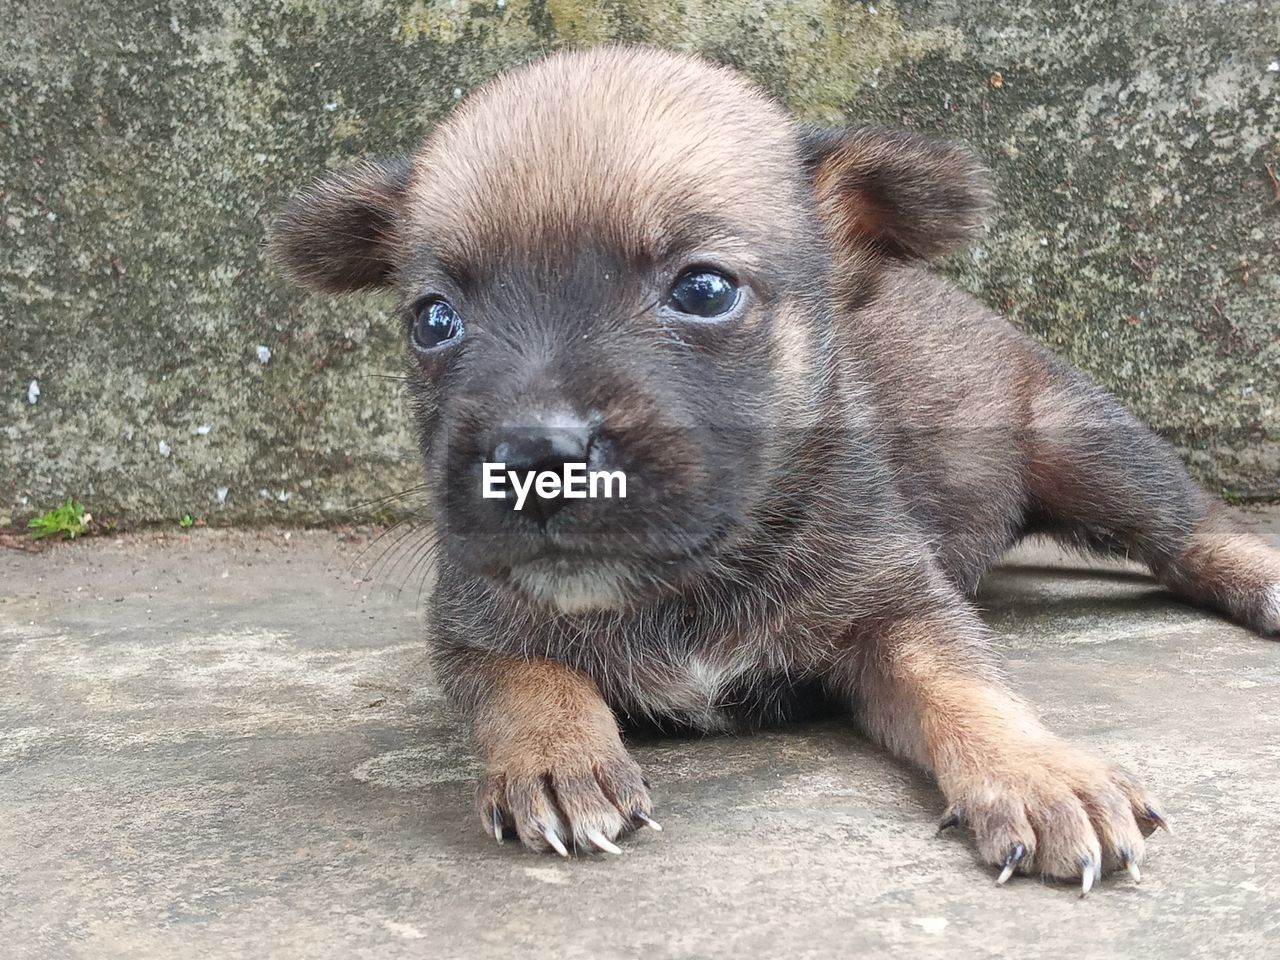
(704, 293)
(435, 323)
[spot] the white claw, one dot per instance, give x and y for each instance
(557, 844)
(497, 831)
(603, 842)
(1134, 871)
(1086, 882)
(1011, 863)
(649, 822)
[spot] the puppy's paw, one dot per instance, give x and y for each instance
(574, 801)
(1237, 572)
(1270, 625)
(1054, 810)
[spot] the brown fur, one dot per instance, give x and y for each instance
(819, 481)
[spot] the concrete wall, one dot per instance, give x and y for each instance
(144, 145)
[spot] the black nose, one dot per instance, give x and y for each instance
(535, 450)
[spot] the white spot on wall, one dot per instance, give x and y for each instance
(202, 430)
(331, 106)
(164, 448)
(1273, 66)
(221, 494)
(457, 93)
(33, 391)
(405, 931)
(931, 924)
(263, 352)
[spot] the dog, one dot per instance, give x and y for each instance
(632, 260)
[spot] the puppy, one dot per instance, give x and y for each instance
(634, 261)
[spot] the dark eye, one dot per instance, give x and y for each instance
(704, 293)
(435, 323)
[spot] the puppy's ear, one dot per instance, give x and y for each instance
(899, 194)
(345, 231)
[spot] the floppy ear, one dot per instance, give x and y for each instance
(345, 231)
(905, 196)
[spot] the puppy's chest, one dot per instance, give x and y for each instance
(719, 691)
(696, 690)
(679, 670)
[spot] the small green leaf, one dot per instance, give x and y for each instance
(71, 520)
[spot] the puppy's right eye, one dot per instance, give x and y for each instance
(435, 324)
(705, 293)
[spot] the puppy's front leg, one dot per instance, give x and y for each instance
(925, 686)
(555, 768)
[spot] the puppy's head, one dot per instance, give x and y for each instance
(633, 261)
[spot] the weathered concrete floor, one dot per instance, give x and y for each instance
(218, 745)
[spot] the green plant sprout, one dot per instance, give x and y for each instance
(186, 520)
(71, 520)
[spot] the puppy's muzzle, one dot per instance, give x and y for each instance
(533, 450)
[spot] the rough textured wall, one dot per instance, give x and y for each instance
(144, 145)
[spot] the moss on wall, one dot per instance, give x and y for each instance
(144, 145)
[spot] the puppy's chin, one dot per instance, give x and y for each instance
(574, 580)
(577, 587)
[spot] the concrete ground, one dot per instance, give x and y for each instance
(226, 744)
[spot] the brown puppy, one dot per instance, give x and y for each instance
(634, 261)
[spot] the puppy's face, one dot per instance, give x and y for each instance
(631, 261)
